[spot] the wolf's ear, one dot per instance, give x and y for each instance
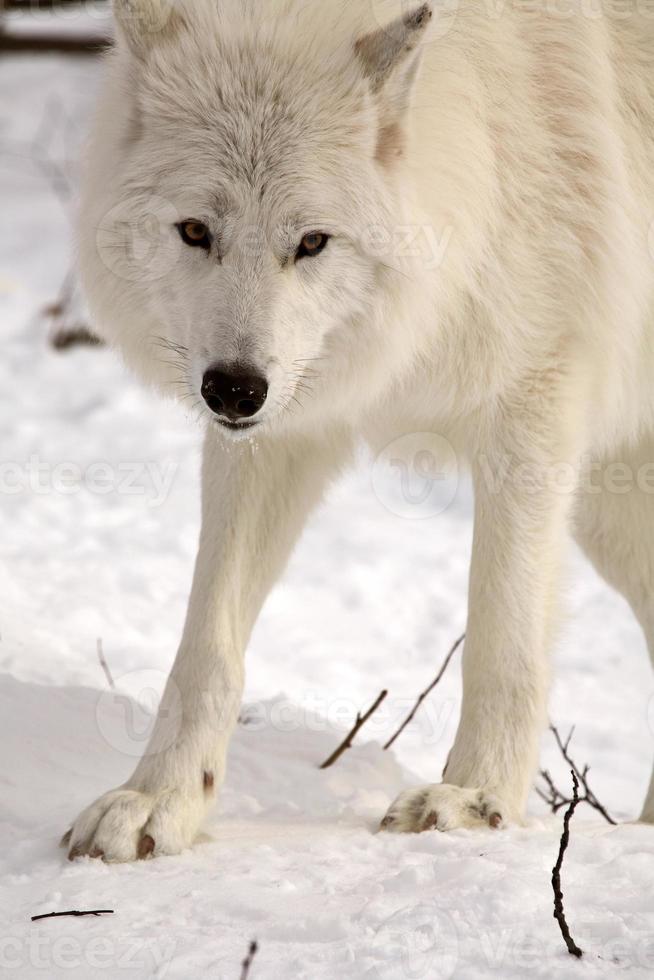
(144, 22)
(390, 58)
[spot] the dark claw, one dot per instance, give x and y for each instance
(146, 847)
(495, 820)
(431, 821)
(386, 822)
(96, 854)
(75, 852)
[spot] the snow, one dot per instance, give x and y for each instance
(371, 600)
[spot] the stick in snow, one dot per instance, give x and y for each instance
(62, 915)
(105, 666)
(554, 798)
(249, 960)
(67, 315)
(66, 338)
(358, 725)
(427, 692)
(559, 913)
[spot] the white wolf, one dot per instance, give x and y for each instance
(251, 168)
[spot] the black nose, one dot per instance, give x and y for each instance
(234, 393)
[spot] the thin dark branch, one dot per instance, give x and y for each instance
(63, 915)
(59, 44)
(554, 798)
(581, 776)
(66, 328)
(249, 960)
(65, 339)
(66, 315)
(44, 41)
(105, 666)
(564, 748)
(426, 693)
(29, 6)
(559, 913)
(347, 743)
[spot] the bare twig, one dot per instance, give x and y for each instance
(249, 960)
(559, 913)
(80, 336)
(63, 915)
(28, 6)
(57, 39)
(553, 796)
(347, 743)
(426, 692)
(67, 325)
(40, 43)
(67, 313)
(105, 666)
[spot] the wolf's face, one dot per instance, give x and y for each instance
(240, 188)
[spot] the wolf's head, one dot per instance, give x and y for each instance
(244, 179)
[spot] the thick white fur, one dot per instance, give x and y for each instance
(524, 146)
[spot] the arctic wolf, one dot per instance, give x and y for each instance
(253, 167)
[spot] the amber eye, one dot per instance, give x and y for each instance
(195, 234)
(312, 245)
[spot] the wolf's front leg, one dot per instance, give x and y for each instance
(522, 502)
(255, 502)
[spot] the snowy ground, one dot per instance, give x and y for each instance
(371, 599)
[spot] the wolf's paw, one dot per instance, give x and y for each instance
(129, 825)
(443, 807)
